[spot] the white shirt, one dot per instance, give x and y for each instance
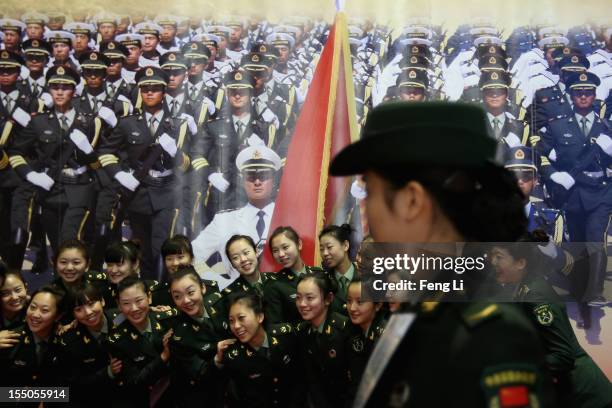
(158, 115)
(70, 115)
(242, 221)
(245, 120)
(178, 98)
(501, 118)
(590, 117)
(13, 95)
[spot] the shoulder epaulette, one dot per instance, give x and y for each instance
(281, 329)
(477, 314)
(167, 314)
(96, 276)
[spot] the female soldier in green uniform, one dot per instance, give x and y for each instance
(13, 305)
(323, 339)
(242, 253)
(285, 246)
(262, 364)
(201, 323)
(578, 380)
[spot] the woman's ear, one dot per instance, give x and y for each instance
(521, 263)
(329, 299)
(410, 201)
(260, 318)
(299, 245)
(103, 302)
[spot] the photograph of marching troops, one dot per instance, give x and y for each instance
(140, 158)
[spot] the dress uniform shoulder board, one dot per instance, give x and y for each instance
(478, 313)
(172, 312)
(281, 329)
(338, 320)
(210, 283)
(301, 327)
(96, 276)
(312, 269)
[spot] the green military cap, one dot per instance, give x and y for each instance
(195, 50)
(492, 62)
(36, 47)
(172, 60)
(9, 59)
(93, 60)
(220, 31)
(521, 157)
(414, 61)
(491, 49)
(494, 80)
(239, 79)
(419, 133)
(412, 77)
(151, 76)
(114, 50)
(584, 80)
(562, 52)
(417, 50)
(254, 62)
(270, 53)
(575, 63)
(60, 74)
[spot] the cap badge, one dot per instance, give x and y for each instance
(111, 46)
(149, 72)
(194, 46)
(35, 43)
(492, 60)
(412, 74)
(61, 71)
(492, 50)
(257, 155)
(583, 77)
(172, 57)
(238, 76)
(4, 54)
(255, 58)
(575, 59)
(519, 155)
(494, 76)
(93, 56)
(413, 60)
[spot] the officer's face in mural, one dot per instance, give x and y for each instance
(285, 251)
(42, 313)
(134, 53)
(115, 67)
(332, 251)
(11, 39)
(80, 42)
(134, 303)
(495, 98)
(123, 25)
(222, 44)
(176, 78)
(245, 324)
(507, 269)
(525, 180)
(107, 31)
(240, 98)
(549, 58)
(90, 314)
(94, 78)
(213, 55)
(61, 51)
(583, 98)
(411, 93)
(283, 54)
(36, 63)
(172, 262)
(118, 271)
(152, 95)
(149, 42)
(168, 33)
(61, 94)
(258, 185)
(8, 77)
(235, 36)
(188, 296)
(311, 302)
(243, 257)
(196, 67)
(362, 313)
(35, 31)
(13, 296)
(260, 78)
(71, 265)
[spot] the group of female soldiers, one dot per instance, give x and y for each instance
(299, 337)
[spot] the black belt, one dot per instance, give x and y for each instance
(158, 181)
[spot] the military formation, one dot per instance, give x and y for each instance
(173, 131)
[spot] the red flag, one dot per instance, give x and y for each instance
(307, 197)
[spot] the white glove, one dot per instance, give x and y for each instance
(552, 155)
(550, 249)
(218, 181)
(108, 116)
(512, 140)
(40, 179)
(22, 117)
(127, 180)
(357, 191)
(270, 117)
(190, 123)
(47, 99)
(81, 141)
(255, 140)
(168, 144)
(211, 105)
(563, 178)
(605, 142)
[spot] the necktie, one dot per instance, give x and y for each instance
(258, 288)
(35, 89)
(343, 283)
(193, 92)
(97, 103)
(584, 122)
(261, 225)
(496, 128)
(239, 128)
(153, 125)
(8, 103)
(111, 91)
(64, 123)
(174, 107)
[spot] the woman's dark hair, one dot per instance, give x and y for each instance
(289, 233)
(3, 270)
(251, 300)
(121, 251)
(235, 238)
(72, 244)
(130, 281)
(339, 232)
(323, 281)
(83, 294)
(5, 274)
(182, 271)
(177, 245)
(484, 203)
(58, 294)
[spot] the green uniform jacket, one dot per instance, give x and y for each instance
(579, 381)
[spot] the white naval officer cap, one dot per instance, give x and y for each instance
(258, 157)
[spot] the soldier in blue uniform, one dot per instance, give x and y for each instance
(36, 54)
(579, 149)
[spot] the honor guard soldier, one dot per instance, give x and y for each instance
(478, 376)
(36, 54)
(61, 45)
(55, 155)
(235, 129)
(579, 149)
(133, 44)
(84, 35)
(107, 26)
(117, 87)
(412, 85)
(12, 29)
(35, 25)
(150, 32)
(198, 88)
(142, 154)
(167, 36)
